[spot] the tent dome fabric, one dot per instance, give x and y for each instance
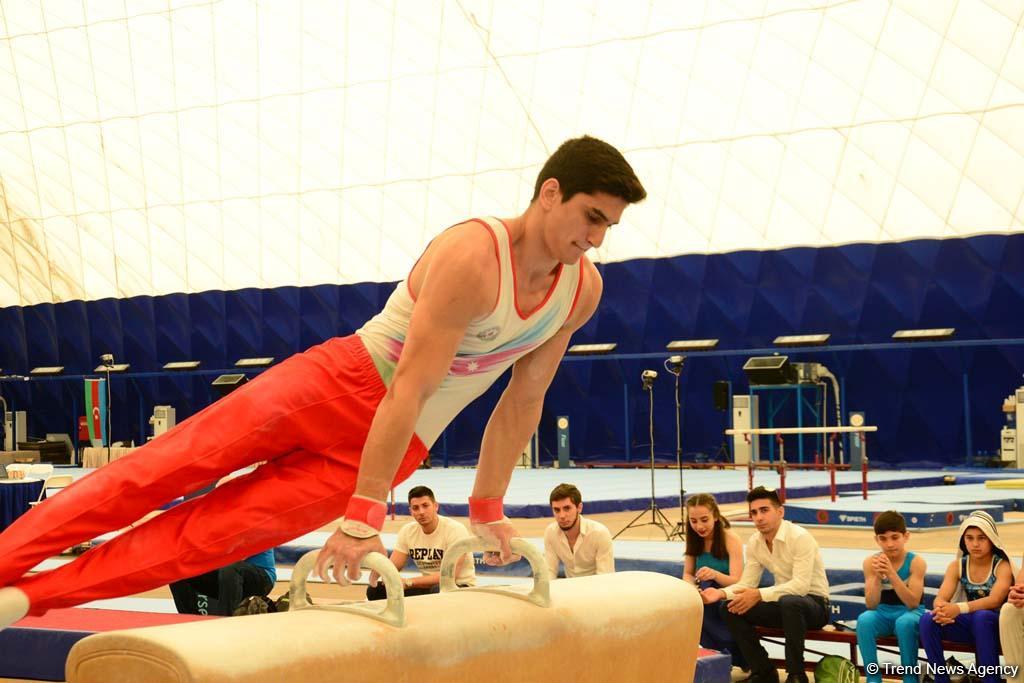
(155, 147)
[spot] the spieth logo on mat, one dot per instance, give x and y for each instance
(852, 518)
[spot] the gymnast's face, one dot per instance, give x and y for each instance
(424, 511)
(567, 513)
(580, 224)
(702, 520)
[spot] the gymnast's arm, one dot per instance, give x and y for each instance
(872, 583)
(456, 287)
(517, 413)
(911, 592)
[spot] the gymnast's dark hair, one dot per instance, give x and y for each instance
(590, 165)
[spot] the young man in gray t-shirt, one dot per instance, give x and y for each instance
(425, 540)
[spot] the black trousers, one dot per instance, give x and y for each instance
(795, 614)
(219, 592)
(379, 592)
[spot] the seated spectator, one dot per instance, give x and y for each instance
(975, 586)
(239, 588)
(583, 546)
(425, 540)
(1011, 629)
(713, 558)
(893, 590)
(797, 602)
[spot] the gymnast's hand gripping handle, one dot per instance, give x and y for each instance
(541, 593)
(392, 613)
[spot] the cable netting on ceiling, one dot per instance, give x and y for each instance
(149, 147)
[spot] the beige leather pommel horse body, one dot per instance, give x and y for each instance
(629, 626)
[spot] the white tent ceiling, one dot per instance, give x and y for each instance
(155, 146)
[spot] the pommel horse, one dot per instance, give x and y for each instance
(627, 626)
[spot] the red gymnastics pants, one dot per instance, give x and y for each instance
(308, 417)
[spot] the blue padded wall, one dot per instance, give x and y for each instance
(860, 293)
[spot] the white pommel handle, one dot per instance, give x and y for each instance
(541, 593)
(392, 613)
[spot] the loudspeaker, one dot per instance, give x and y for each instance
(721, 395)
(770, 370)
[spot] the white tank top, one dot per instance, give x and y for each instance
(491, 343)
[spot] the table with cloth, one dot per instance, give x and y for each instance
(98, 457)
(15, 496)
(37, 470)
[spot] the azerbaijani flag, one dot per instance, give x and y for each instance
(96, 410)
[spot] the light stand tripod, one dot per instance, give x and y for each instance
(723, 404)
(108, 363)
(674, 364)
(658, 517)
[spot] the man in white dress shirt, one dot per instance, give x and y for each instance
(797, 602)
(583, 546)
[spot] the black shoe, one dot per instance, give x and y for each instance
(770, 676)
(284, 602)
(254, 604)
(957, 671)
(797, 678)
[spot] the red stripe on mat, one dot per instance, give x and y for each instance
(93, 620)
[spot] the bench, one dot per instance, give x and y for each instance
(842, 634)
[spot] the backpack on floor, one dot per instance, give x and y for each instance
(835, 669)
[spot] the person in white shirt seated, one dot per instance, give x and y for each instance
(797, 602)
(425, 540)
(583, 546)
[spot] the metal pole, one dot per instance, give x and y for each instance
(832, 467)
(799, 422)
(864, 466)
(679, 448)
(728, 421)
(654, 518)
(844, 452)
(625, 422)
(110, 436)
(782, 468)
(750, 474)
(832, 479)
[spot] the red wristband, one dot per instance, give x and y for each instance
(486, 510)
(366, 510)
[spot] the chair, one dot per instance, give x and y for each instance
(59, 481)
(43, 470)
(11, 468)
